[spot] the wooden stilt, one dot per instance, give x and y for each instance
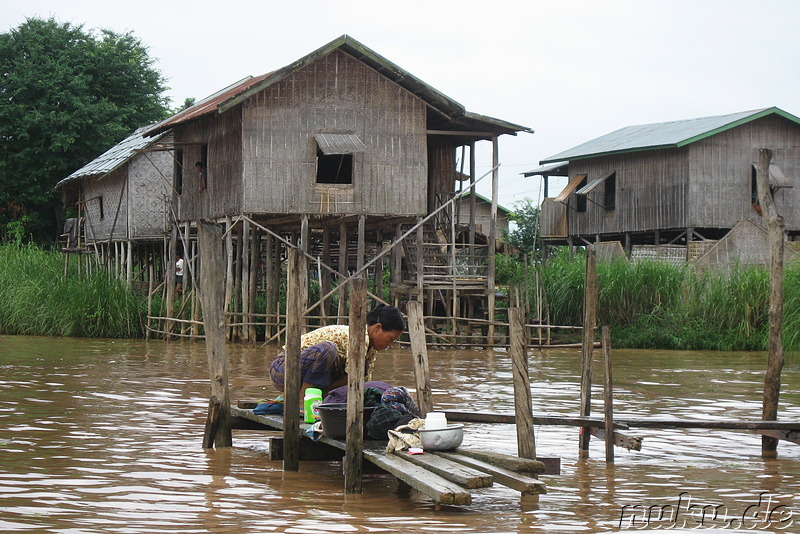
(269, 265)
(255, 255)
(325, 277)
(212, 296)
(490, 275)
(775, 357)
(228, 270)
(291, 389)
(608, 394)
(244, 288)
(355, 387)
(523, 403)
(341, 314)
(170, 289)
(419, 352)
(149, 299)
(192, 273)
(589, 324)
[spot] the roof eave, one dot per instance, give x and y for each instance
(607, 153)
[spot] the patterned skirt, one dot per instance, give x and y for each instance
(320, 365)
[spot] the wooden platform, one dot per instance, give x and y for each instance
(445, 477)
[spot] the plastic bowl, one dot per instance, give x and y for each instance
(334, 418)
(442, 439)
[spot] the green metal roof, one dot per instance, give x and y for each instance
(659, 135)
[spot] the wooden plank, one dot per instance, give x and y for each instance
(786, 435)
(608, 396)
(442, 491)
(620, 440)
(309, 450)
(483, 417)
(452, 471)
(212, 421)
(505, 461)
(525, 484)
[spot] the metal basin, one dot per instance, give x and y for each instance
(442, 439)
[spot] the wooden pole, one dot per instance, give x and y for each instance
(523, 403)
(354, 452)
(342, 271)
(228, 270)
(493, 239)
(244, 286)
(589, 323)
(775, 357)
(325, 276)
(291, 389)
(255, 256)
(211, 288)
(170, 310)
(419, 351)
(362, 223)
(149, 297)
(269, 265)
(608, 394)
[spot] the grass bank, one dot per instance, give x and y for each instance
(37, 299)
(663, 306)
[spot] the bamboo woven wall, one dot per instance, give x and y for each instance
(111, 194)
(150, 178)
(335, 93)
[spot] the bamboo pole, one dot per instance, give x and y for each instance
(212, 297)
(419, 351)
(523, 403)
(775, 357)
(342, 269)
(589, 323)
(354, 452)
(255, 255)
(170, 289)
(493, 238)
(244, 289)
(291, 388)
(228, 270)
(149, 299)
(271, 250)
(608, 394)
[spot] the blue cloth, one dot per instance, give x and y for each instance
(269, 408)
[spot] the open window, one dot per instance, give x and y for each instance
(776, 180)
(609, 181)
(335, 157)
(178, 172)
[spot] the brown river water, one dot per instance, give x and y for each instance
(100, 436)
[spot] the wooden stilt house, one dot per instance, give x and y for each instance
(123, 199)
(676, 189)
(341, 152)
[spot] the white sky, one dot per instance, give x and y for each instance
(570, 69)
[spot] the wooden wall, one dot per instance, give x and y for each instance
(335, 93)
(223, 136)
(721, 170)
(650, 189)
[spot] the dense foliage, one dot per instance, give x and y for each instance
(66, 96)
(524, 233)
(37, 299)
(664, 306)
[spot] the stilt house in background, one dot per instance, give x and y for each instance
(676, 190)
(483, 214)
(340, 152)
(124, 200)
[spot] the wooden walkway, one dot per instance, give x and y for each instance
(445, 477)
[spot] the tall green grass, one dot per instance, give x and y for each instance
(660, 305)
(37, 299)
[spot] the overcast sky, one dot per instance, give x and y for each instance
(572, 70)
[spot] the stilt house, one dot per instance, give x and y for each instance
(124, 200)
(676, 188)
(341, 152)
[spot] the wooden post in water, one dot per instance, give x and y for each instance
(490, 260)
(775, 359)
(419, 351)
(291, 388)
(608, 394)
(170, 282)
(589, 323)
(356, 354)
(212, 297)
(523, 403)
(228, 270)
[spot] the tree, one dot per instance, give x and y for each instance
(525, 236)
(66, 96)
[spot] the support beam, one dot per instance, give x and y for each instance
(291, 388)
(419, 352)
(355, 387)
(589, 323)
(523, 403)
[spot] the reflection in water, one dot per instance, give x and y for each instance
(105, 436)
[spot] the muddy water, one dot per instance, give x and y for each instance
(104, 436)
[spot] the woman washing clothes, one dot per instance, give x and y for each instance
(323, 352)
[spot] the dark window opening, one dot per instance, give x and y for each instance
(334, 168)
(100, 207)
(178, 172)
(610, 190)
(580, 200)
(201, 167)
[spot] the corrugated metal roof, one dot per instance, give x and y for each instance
(662, 135)
(207, 105)
(115, 156)
(551, 169)
(339, 143)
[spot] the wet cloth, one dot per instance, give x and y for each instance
(371, 398)
(320, 365)
(405, 436)
(397, 408)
